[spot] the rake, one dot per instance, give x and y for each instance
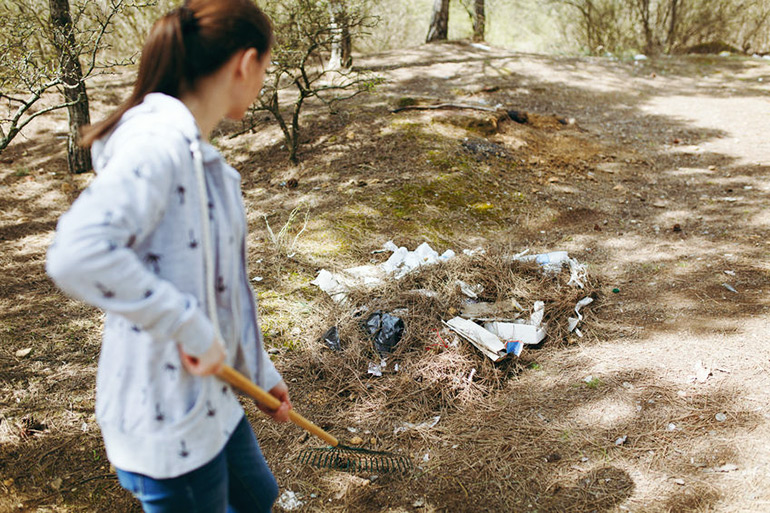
(338, 456)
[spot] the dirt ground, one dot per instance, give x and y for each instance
(653, 173)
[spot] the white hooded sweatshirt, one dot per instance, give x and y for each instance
(131, 244)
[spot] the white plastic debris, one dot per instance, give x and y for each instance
(472, 291)
(621, 440)
(526, 333)
(376, 369)
(553, 262)
(330, 284)
(497, 339)
(485, 341)
(403, 261)
(400, 263)
(428, 424)
(475, 251)
(572, 322)
(390, 246)
(730, 288)
(481, 47)
(550, 262)
(257, 278)
(538, 310)
(721, 417)
(289, 501)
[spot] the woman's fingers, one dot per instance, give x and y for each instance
(206, 364)
(280, 392)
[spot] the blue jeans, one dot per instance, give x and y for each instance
(237, 480)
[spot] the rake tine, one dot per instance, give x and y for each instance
(354, 459)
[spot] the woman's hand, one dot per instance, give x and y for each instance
(281, 392)
(206, 364)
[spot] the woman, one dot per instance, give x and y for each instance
(135, 244)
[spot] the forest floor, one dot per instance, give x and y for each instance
(656, 178)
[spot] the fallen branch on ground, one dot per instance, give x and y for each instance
(445, 106)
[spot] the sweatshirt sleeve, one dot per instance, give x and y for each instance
(92, 256)
(268, 375)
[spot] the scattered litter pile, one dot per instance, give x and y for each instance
(497, 328)
(405, 344)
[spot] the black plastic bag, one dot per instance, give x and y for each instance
(385, 329)
(332, 339)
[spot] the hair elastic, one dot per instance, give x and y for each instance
(187, 18)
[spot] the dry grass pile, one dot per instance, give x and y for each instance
(437, 372)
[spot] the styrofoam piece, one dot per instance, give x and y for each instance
(390, 246)
(446, 255)
(368, 275)
(331, 284)
(485, 341)
(516, 332)
(337, 285)
(538, 310)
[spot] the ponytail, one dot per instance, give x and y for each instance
(186, 44)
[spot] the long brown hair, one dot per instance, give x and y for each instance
(186, 44)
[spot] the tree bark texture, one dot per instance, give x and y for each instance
(645, 16)
(439, 26)
(479, 21)
(74, 88)
(671, 39)
(342, 45)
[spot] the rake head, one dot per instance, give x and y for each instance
(354, 459)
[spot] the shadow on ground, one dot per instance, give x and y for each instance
(627, 191)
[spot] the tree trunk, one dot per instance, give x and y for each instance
(479, 21)
(439, 26)
(74, 88)
(341, 41)
(644, 13)
(671, 39)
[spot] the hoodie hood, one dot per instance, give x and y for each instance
(158, 113)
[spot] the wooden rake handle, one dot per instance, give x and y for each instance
(239, 381)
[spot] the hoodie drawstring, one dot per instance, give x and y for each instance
(208, 246)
